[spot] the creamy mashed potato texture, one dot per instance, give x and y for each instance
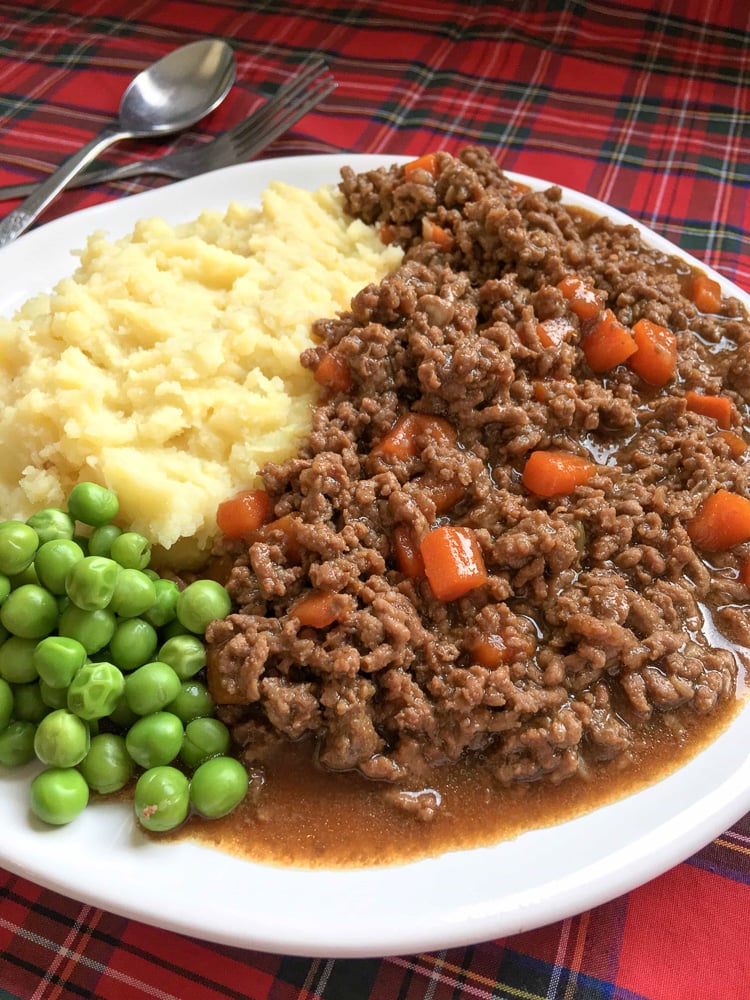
(167, 367)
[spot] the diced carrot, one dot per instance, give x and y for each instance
(402, 440)
(552, 332)
(581, 297)
(433, 233)
(244, 513)
(489, 651)
(655, 359)
(318, 608)
(453, 562)
(706, 293)
(444, 493)
(284, 526)
(607, 343)
(333, 373)
(737, 445)
(721, 522)
(225, 688)
(555, 473)
(407, 553)
(427, 162)
(386, 233)
(717, 407)
(744, 574)
(540, 392)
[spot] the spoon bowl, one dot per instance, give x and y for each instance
(172, 94)
(175, 92)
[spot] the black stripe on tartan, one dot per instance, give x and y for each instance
(71, 989)
(352, 979)
(113, 940)
(515, 976)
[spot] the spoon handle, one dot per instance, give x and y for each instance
(19, 220)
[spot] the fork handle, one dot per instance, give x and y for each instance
(19, 220)
(99, 176)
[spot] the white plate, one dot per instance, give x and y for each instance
(459, 898)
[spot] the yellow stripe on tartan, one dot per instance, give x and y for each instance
(474, 977)
(720, 842)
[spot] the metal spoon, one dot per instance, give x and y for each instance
(173, 94)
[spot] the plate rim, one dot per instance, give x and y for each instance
(353, 930)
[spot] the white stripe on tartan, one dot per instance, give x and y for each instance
(562, 947)
(61, 956)
(672, 151)
(84, 960)
(625, 136)
(465, 982)
(733, 154)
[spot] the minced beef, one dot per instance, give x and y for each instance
(597, 606)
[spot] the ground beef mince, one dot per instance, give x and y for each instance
(582, 606)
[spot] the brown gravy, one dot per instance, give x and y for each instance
(303, 816)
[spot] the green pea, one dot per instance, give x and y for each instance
(4, 587)
(218, 786)
(83, 542)
(151, 687)
(17, 743)
(58, 795)
(62, 739)
(53, 697)
(95, 690)
(17, 660)
(161, 798)
(30, 612)
(93, 629)
(56, 659)
(54, 560)
(18, 544)
(100, 540)
(202, 602)
(28, 575)
(205, 737)
(192, 702)
(134, 594)
(6, 704)
(131, 550)
(107, 767)
(92, 504)
(28, 704)
(133, 643)
(122, 715)
(175, 627)
(51, 523)
(164, 607)
(91, 582)
(186, 654)
(155, 739)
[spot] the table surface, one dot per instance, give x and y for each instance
(643, 104)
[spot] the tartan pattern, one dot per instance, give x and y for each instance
(644, 104)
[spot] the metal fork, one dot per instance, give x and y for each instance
(290, 102)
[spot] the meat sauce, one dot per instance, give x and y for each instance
(300, 815)
(601, 640)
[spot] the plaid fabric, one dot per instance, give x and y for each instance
(644, 104)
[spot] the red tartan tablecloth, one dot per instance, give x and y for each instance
(644, 104)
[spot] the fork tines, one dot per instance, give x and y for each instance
(291, 101)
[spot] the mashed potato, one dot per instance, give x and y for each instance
(167, 367)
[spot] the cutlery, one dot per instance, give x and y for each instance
(289, 103)
(172, 94)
